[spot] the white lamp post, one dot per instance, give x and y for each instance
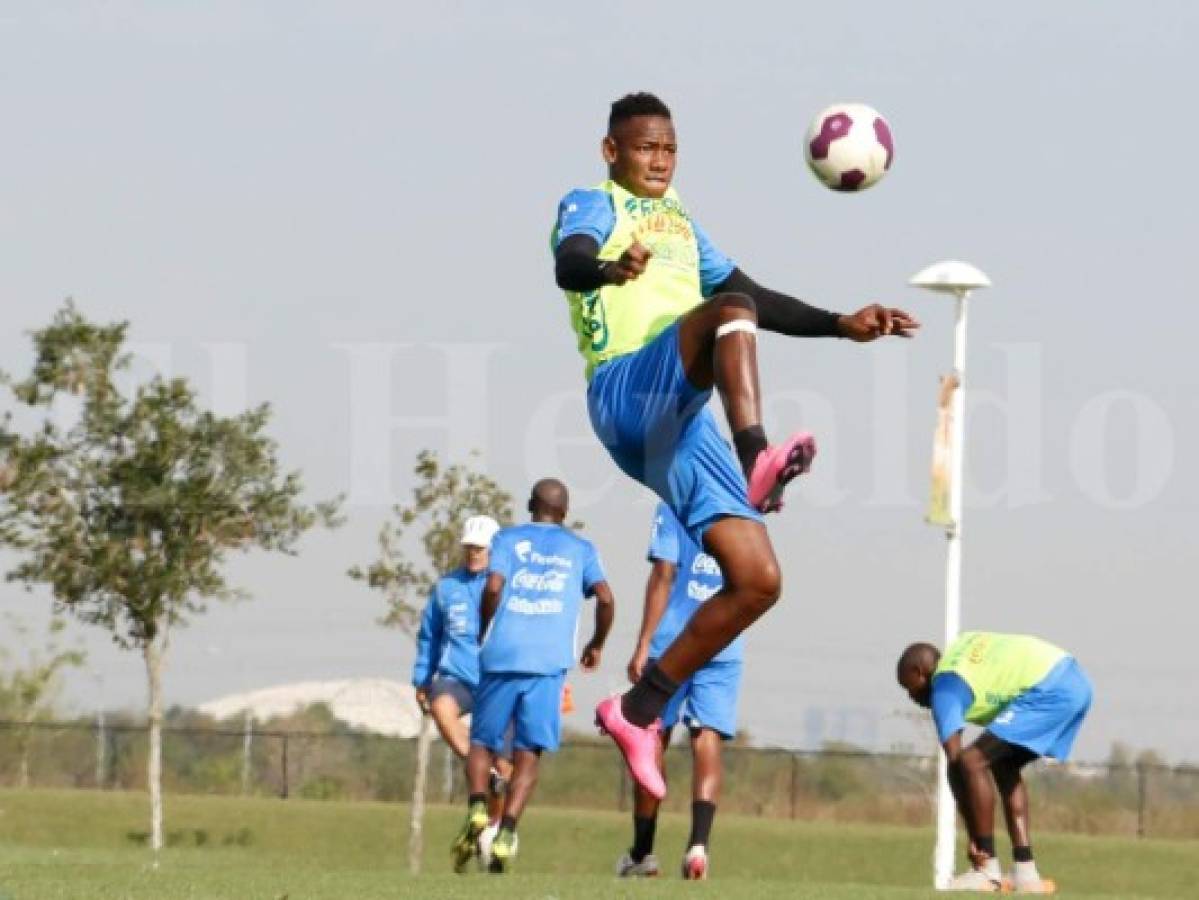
(957, 279)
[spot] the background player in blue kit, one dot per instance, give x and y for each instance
(445, 672)
(682, 578)
(539, 574)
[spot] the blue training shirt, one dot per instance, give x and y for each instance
(697, 577)
(952, 697)
(589, 211)
(447, 645)
(547, 571)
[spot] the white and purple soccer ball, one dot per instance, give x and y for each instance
(848, 147)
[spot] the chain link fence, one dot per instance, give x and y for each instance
(828, 785)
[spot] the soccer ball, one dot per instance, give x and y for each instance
(848, 147)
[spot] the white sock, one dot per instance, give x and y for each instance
(992, 870)
(1026, 871)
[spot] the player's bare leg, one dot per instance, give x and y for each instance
(1014, 794)
(719, 348)
(478, 769)
(752, 583)
(520, 789)
(706, 777)
(448, 719)
(970, 779)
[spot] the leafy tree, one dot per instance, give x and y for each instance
(127, 506)
(442, 500)
(28, 688)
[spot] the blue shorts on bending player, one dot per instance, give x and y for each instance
(518, 710)
(708, 699)
(1044, 720)
(659, 430)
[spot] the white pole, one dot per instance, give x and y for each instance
(247, 749)
(946, 812)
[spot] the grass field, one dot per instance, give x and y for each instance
(80, 844)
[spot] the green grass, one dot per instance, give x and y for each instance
(72, 844)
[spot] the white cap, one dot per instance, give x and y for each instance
(478, 531)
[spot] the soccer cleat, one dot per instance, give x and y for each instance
(1019, 885)
(975, 880)
(639, 746)
(695, 863)
(775, 467)
(503, 850)
(647, 868)
(466, 843)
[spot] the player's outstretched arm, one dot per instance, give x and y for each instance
(787, 315)
(605, 614)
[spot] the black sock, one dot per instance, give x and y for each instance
(508, 823)
(1022, 854)
(749, 443)
(645, 700)
(986, 844)
(702, 814)
(476, 798)
(643, 837)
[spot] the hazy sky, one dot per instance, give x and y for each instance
(343, 208)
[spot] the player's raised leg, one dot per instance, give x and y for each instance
(719, 348)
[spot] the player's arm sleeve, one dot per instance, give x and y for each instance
(780, 313)
(664, 538)
(585, 221)
(428, 640)
(951, 697)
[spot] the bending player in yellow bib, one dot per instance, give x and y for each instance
(663, 318)
(1032, 698)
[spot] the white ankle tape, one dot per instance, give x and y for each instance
(749, 327)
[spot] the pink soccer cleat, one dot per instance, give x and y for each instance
(775, 467)
(638, 746)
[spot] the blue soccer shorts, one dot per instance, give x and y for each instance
(659, 430)
(520, 711)
(708, 699)
(1046, 718)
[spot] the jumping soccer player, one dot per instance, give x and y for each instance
(446, 670)
(682, 578)
(1032, 698)
(662, 319)
(539, 574)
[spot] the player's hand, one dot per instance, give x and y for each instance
(590, 659)
(422, 699)
(637, 664)
(978, 859)
(632, 263)
(874, 321)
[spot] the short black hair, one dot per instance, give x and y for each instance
(639, 104)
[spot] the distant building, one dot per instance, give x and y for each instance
(379, 705)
